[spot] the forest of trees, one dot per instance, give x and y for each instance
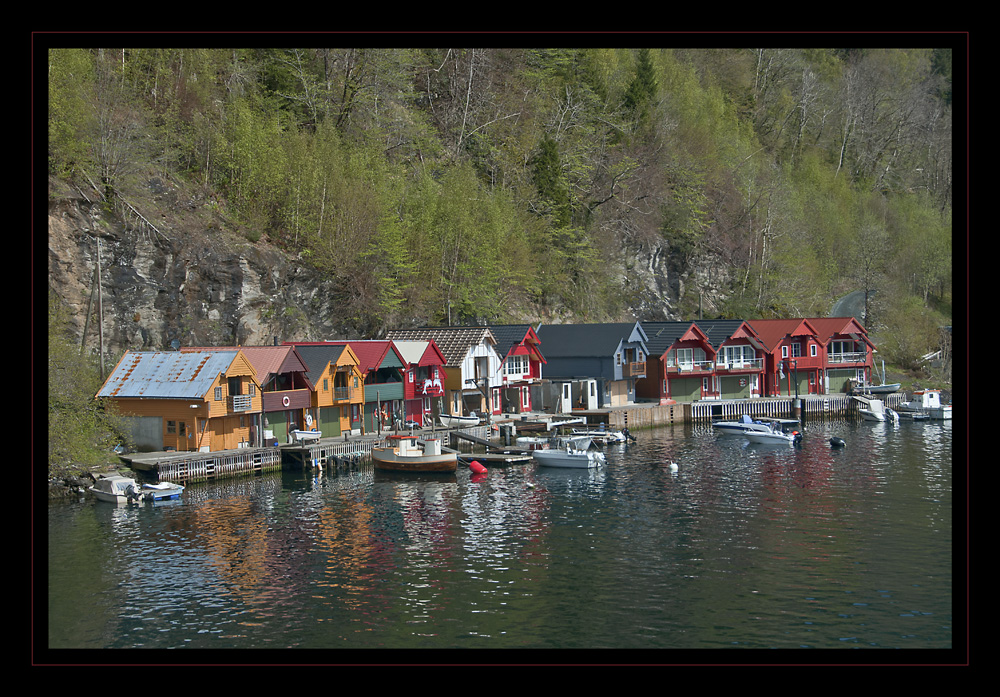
(450, 185)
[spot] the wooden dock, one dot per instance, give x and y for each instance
(198, 466)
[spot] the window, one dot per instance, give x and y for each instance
(172, 428)
(796, 350)
(685, 358)
(784, 352)
(218, 394)
(326, 385)
(812, 350)
(410, 374)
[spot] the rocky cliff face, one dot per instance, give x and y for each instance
(180, 280)
(184, 276)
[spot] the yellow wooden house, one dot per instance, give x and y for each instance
(187, 401)
(338, 395)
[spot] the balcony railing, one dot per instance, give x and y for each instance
(691, 367)
(750, 364)
(633, 370)
(859, 357)
(240, 402)
(342, 393)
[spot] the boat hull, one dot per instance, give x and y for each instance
(876, 389)
(387, 459)
(770, 438)
(574, 459)
(741, 427)
(449, 421)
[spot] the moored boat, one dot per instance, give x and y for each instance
(405, 455)
(114, 489)
(571, 453)
(746, 423)
(776, 435)
(119, 489)
(160, 491)
(606, 436)
(457, 421)
(927, 402)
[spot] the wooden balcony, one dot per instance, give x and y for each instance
(694, 368)
(753, 365)
(634, 370)
(343, 394)
(846, 358)
(239, 403)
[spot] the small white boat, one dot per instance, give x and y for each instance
(456, 421)
(571, 453)
(926, 402)
(301, 436)
(405, 455)
(114, 489)
(119, 489)
(160, 491)
(602, 436)
(774, 436)
(746, 423)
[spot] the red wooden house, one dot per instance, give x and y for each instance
(848, 352)
(424, 378)
(521, 359)
(815, 355)
(794, 360)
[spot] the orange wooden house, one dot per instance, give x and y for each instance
(187, 401)
(338, 395)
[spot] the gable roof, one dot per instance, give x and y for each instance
(266, 360)
(773, 331)
(576, 340)
(371, 353)
(453, 342)
(318, 356)
(510, 336)
(420, 353)
(662, 335)
(829, 327)
(167, 374)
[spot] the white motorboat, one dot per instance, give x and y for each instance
(119, 489)
(875, 410)
(114, 489)
(457, 421)
(746, 423)
(405, 455)
(160, 491)
(776, 435)
(926, 402)
(606, 436)
(572, 453)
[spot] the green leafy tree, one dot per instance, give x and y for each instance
(82, 431)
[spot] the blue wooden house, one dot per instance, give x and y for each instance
(612, 354)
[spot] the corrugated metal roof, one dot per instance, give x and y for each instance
(166, 374)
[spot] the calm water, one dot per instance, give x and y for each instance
(743, 547)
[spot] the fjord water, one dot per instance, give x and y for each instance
(742, 547)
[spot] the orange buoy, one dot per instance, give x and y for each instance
(476, 467)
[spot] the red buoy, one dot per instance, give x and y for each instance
(476, 467)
